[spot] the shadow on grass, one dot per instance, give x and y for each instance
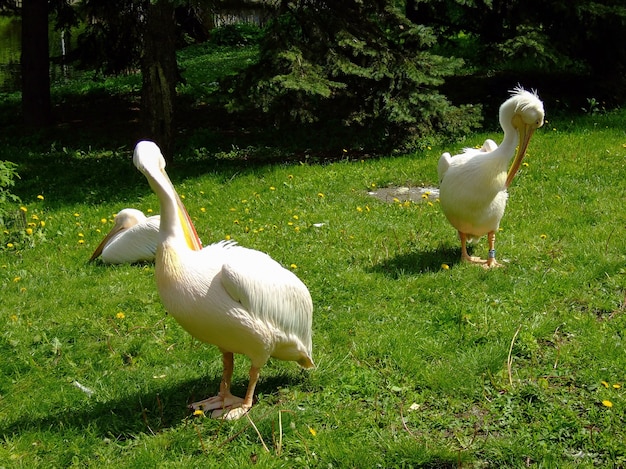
(418, 262)
(147, 412)
(106, 176)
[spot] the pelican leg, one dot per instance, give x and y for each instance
(464, 255)
(491, 260)
(224, 400)
(235, 412)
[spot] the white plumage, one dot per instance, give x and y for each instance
(238, 299)
(133, 238)
(473, 184)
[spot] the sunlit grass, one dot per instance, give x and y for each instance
(417, 363)
(422, 361)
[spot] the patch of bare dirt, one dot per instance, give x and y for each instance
(402, 194)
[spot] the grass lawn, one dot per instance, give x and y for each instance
(421, 361)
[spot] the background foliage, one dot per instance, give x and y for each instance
(361, 65)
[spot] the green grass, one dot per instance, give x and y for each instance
(418, 365)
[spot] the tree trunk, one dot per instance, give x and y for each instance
(35, 61)
(160, 75)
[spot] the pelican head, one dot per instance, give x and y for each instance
(124, 220)
(524, 112)
(149, 160)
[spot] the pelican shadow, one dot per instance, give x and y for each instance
(418, 262)
(151, 411)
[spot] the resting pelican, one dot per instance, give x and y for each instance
(238, 299)
(473, 185)
(133, 238)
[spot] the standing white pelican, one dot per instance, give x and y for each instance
(473, 185)
(238, 299)
(133, 238)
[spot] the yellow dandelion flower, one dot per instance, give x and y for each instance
(607, 403)
(312, 431)
(429, 147)
(81, 241)
(202, 209)
(359, 209)
(297, 229)
(525, 164)
(149, 210)
(182, 196)
(17, 279)
(290, 176)
(23, 209)
(103, 220)
(40, 197)
(244, 201)
(543, 236)
(13, 317)
(617, 386)
(367, 208)
(430, 204)
(80, 235)
(120, 315)
(424, 195)
(9, 245)
(445, 266)
(272, 188)
(22, 290)
(42, 223)
(373, 184)
(227, 237)
(77, 214)
(29, 231)
(396, 200)
(198, 412)
(296, 217)
(293, 266)
(320, 195)
(604, 383)
(345, 151)
(232, 209)
(34, 217)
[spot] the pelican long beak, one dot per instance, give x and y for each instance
(191, 235)
(525, 133)
(110, 235)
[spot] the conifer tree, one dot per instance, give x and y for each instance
(357, 63)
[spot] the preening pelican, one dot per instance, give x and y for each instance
(238, 299)
(473, 184)
(133, 238)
